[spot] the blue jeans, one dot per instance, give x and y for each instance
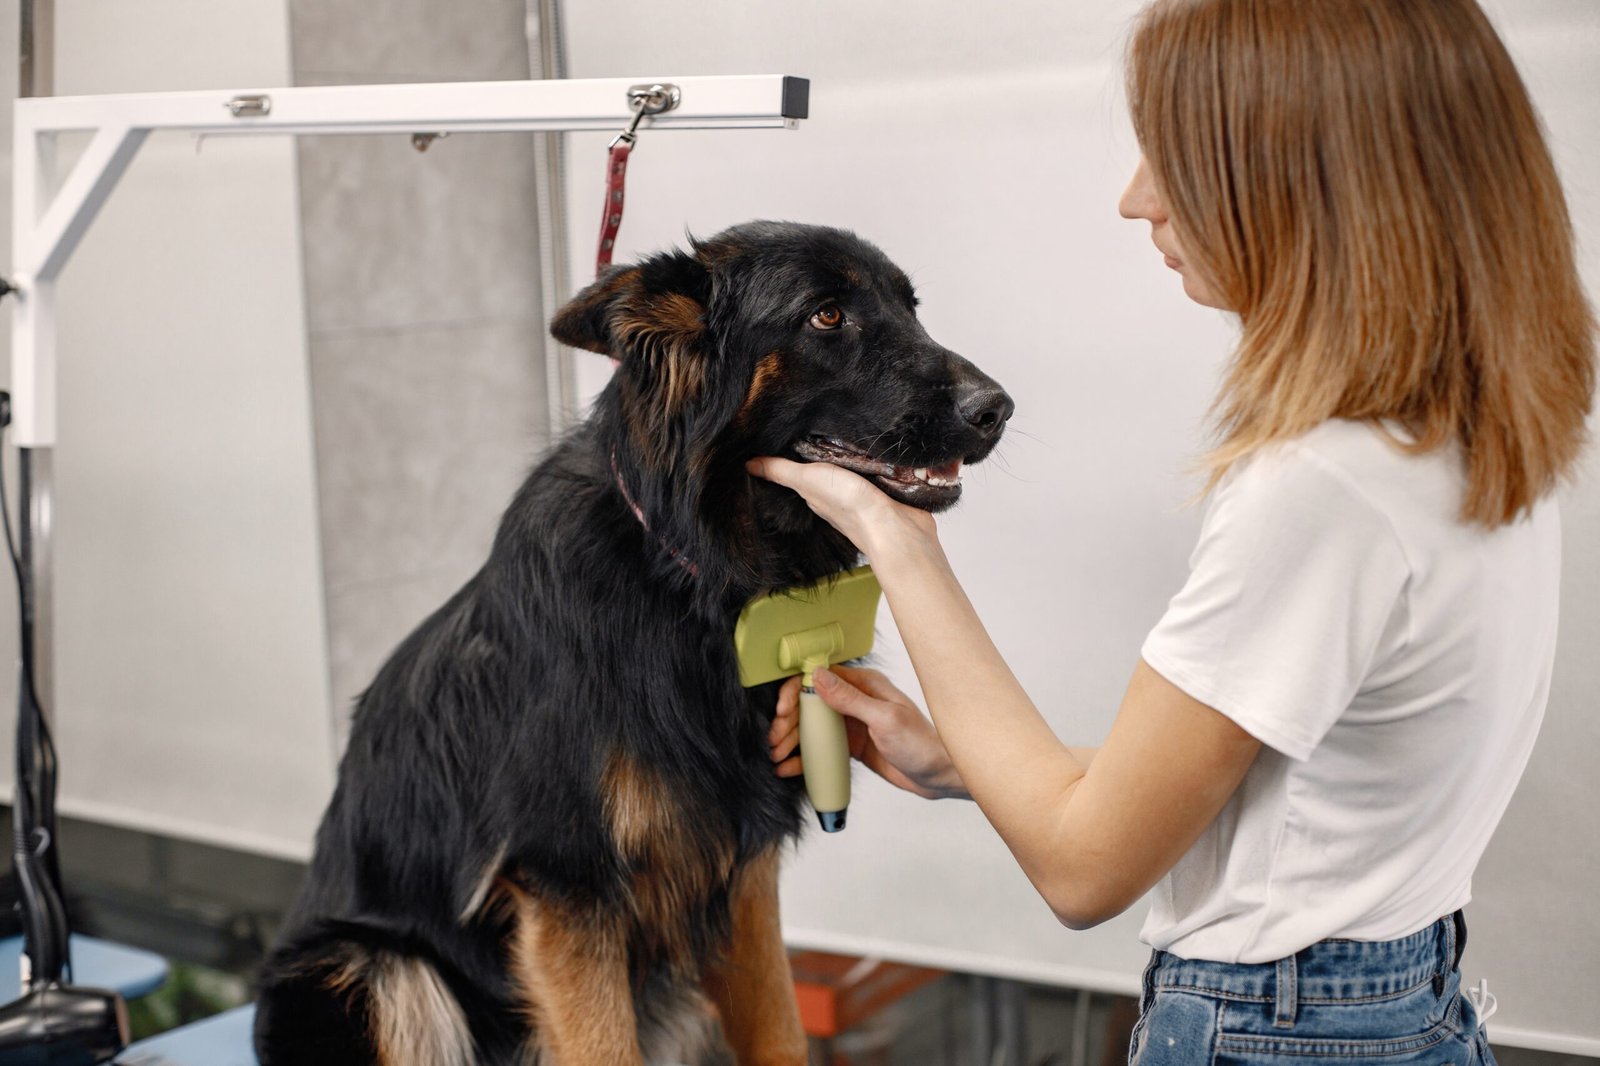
(1393, 1002)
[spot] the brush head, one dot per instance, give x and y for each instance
(846, 603)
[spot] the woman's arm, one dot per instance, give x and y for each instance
(1094, 838)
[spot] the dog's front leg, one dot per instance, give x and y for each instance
(753, 986)
(572, 968)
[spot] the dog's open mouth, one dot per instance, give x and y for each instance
(930, 487)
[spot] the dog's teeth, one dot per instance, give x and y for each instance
(920, 473)
(945, 476)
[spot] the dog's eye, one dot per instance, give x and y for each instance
(828, 316)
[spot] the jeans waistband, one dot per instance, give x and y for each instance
(1328, 971)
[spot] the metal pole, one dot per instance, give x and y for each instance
(547, 59)
(37, 63)
(45, 920)
(981, 1006)
(1011, 1010)
(1080, 1030)
(36, 465)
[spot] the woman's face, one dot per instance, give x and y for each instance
(1141, 199)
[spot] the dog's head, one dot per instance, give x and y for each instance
(777, 338)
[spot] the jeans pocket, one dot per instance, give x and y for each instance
(1178, 1029)
(1442, 1045)
(1412, 1027)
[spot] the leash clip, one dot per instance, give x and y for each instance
(644, 100)
(647, 100)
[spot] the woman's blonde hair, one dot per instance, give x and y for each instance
(1367, 184)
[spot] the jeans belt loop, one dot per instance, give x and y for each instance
(1286, 993)
(1148, 982)
(1447, 953)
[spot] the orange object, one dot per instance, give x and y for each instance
(838, 992)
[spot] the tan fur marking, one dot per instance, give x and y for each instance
(662, 331)
(767, 371)
(674, 870)
(491, 873)
(679, 313)
(347, 979)
(573, 973)
(415, 1020)
(638, 808)
(752, 986)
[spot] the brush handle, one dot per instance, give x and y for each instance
(825, 754)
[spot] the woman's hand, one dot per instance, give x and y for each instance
(888, 734)
(873, 522)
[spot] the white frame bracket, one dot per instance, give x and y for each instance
(46, 230)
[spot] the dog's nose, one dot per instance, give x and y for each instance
(986, 408)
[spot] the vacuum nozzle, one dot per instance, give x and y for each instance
(62, 1025)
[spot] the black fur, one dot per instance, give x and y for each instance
(588, 637)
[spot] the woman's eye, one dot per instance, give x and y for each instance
(828, 316)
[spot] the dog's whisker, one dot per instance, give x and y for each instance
(1011, 432)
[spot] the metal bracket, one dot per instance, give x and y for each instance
(647, 100)
(46, 229)
(654, 99)
(250, 105)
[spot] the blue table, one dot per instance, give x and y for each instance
(95, 963)
(223, 1040)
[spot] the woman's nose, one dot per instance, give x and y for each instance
(1139, 199)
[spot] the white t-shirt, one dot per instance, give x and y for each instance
(1394, 663)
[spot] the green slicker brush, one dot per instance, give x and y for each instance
(799, 631)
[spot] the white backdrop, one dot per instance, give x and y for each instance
(190, 664)
(985, 151)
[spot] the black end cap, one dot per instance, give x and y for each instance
(796, 97)
(832, 821)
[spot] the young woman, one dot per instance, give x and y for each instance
(1325, 727)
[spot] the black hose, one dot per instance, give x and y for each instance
(44, 916)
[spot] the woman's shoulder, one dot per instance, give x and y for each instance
(1342, 462)
(1343, 481)
(1351, 474)
(1355, 449)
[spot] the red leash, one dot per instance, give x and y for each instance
(616, 182)
(644, 100)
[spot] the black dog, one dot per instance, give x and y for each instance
(556, 831)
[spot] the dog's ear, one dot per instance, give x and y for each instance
(638, 310)
(652, 319)
(582, 321)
